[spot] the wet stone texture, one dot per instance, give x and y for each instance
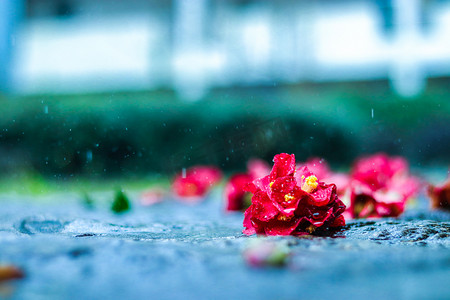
(176, 251)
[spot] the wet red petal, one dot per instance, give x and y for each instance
(277, 227)
(262, 183)
(284, 165)
(263, 208)
(322, 196)
(338, 222)
(249, 228)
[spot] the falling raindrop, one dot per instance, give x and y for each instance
(46, 109)
(183, 172)
(372, 113)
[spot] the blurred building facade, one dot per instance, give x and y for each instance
(78, 46)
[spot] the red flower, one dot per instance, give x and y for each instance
(290, 202)
(257, 168)
(236, 197)
(234, 193)
(440, 195)
(318, 166)
(196, 182)
(381, 186)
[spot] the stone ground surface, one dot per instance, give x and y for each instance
(176, 251)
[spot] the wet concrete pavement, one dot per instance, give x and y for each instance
(176, 251)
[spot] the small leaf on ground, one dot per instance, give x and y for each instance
(121, 203)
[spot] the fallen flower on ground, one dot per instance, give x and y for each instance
(292, 202)
(236, 198)
(380, 186)
(440, 195)
(152, 196)
(193, 184)
(261, 253)
(234, 193)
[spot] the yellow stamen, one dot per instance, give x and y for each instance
(288, 197)
(311, 228)
(270, 184)
(310, 184)
(283, 218)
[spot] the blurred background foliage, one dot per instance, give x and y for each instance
(94, 90)
(138, 133)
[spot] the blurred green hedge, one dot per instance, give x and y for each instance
(154, 132)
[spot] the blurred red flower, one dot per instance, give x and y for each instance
(290, 202)
(193, 184)
(261, 253)
(440, 195)
(152, 196)
(234, 193)
(320, 168)
(236, 198)
(380, 186)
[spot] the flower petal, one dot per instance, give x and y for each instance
(322, 196)
(262, 183)
(282, 227)
(338, 222)
(284, 165)
(263, 207)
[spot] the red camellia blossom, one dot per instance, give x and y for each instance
(234, 194)
(440, 195)
(257, 168)
(196, 182)
(380, 186)
(291, 202)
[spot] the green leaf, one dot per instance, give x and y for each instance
(121, 203)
